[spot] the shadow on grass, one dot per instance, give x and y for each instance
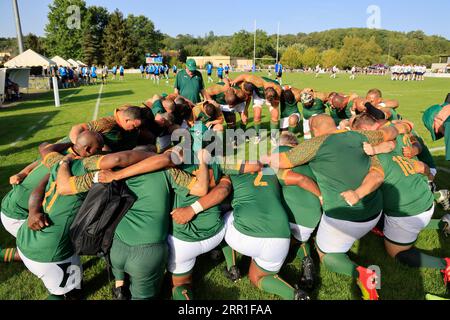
(16, 128)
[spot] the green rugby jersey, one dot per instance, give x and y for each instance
(405, 192)
(303, 207)
(15, 203)
(257, 207)
(204, 225)
(288, 109)
(317, 108)
(339, 115)
(53, 244)
(340, 164)
(148, 220)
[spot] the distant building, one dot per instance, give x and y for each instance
(241, 64)
(443, 66)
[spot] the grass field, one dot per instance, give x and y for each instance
(24, 127)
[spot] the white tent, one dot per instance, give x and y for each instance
(74, 63)
(29, 59)
(61, 62)
(20, 76)
(81, 63)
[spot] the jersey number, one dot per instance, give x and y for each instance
(258, 182)
(72, 276)
(406, 166)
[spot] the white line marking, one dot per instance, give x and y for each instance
(444, 169)
(98, 102)
(29, 130)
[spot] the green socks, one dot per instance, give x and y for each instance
(229, 254)
(257, 127)
(341, 263)
(52, 297)
(182, 293)
(274, 125)
(275, 285)
(7, 255)
(417, 259)
(292, 130)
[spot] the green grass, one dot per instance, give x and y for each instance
(398, 282)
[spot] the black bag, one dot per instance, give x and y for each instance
(92, 231)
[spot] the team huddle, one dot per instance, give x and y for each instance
(359, 167)
(408, 73)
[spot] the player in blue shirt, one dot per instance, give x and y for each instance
(122, 73)
(94, 74)
(279, 72)
(209, 70)
(142, 71)
(114, 72)
(220, 72)
(227, 71)
(156, 73)
(63, 74)
(175, 70)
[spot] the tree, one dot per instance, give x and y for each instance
(292, 57)
(311, 57)
(94, 26)
(116, 41)
(330, 58)
(242, 45)
(359, 52)
(64, 33)
(34, 43)
(144, 38)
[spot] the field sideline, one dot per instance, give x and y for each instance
(24, 127)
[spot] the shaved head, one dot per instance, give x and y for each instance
(338, 101)
(322, 124)
(88, 143)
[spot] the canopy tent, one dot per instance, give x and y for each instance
(81, 63)
(20, 76)
(61, 62)
(74, 63)
(29, 59)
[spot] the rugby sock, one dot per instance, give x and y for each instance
(7, 255)
(182, 293)
(257, 127)
(303, 251)
(274, 130)
(274, 125)
(229, 254)
(275, 285)
(417, 259)
(55, 297)
(341, 263)
(292, 129)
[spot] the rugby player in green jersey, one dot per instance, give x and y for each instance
(14, 207)
(332, 155)
(265, 91)
(408, 145)
(344, 107)
(314, 103)
(258, 226)
(408, 206)
(304, 210)
(290, 116)
(43, 242)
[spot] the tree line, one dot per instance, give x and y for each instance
(111, 38)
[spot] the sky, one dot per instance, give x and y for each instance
(198, 17)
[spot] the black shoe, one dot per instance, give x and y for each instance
(120, 293)
(300, 294)
(308, 277)
(216, 255)
(233, 274)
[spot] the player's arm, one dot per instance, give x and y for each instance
(232, 167)
(373, 180)
(291, 178)
(19, 177)
(151, 164)
(215, 197)
(36, 219)
(45, 149)
(215, 90)
(382, 148)
(297, 94)
(301, 154)
(391, 104)
(414, 150)
(76, 130)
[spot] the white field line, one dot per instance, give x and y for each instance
(29, 130)
(97, 105)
